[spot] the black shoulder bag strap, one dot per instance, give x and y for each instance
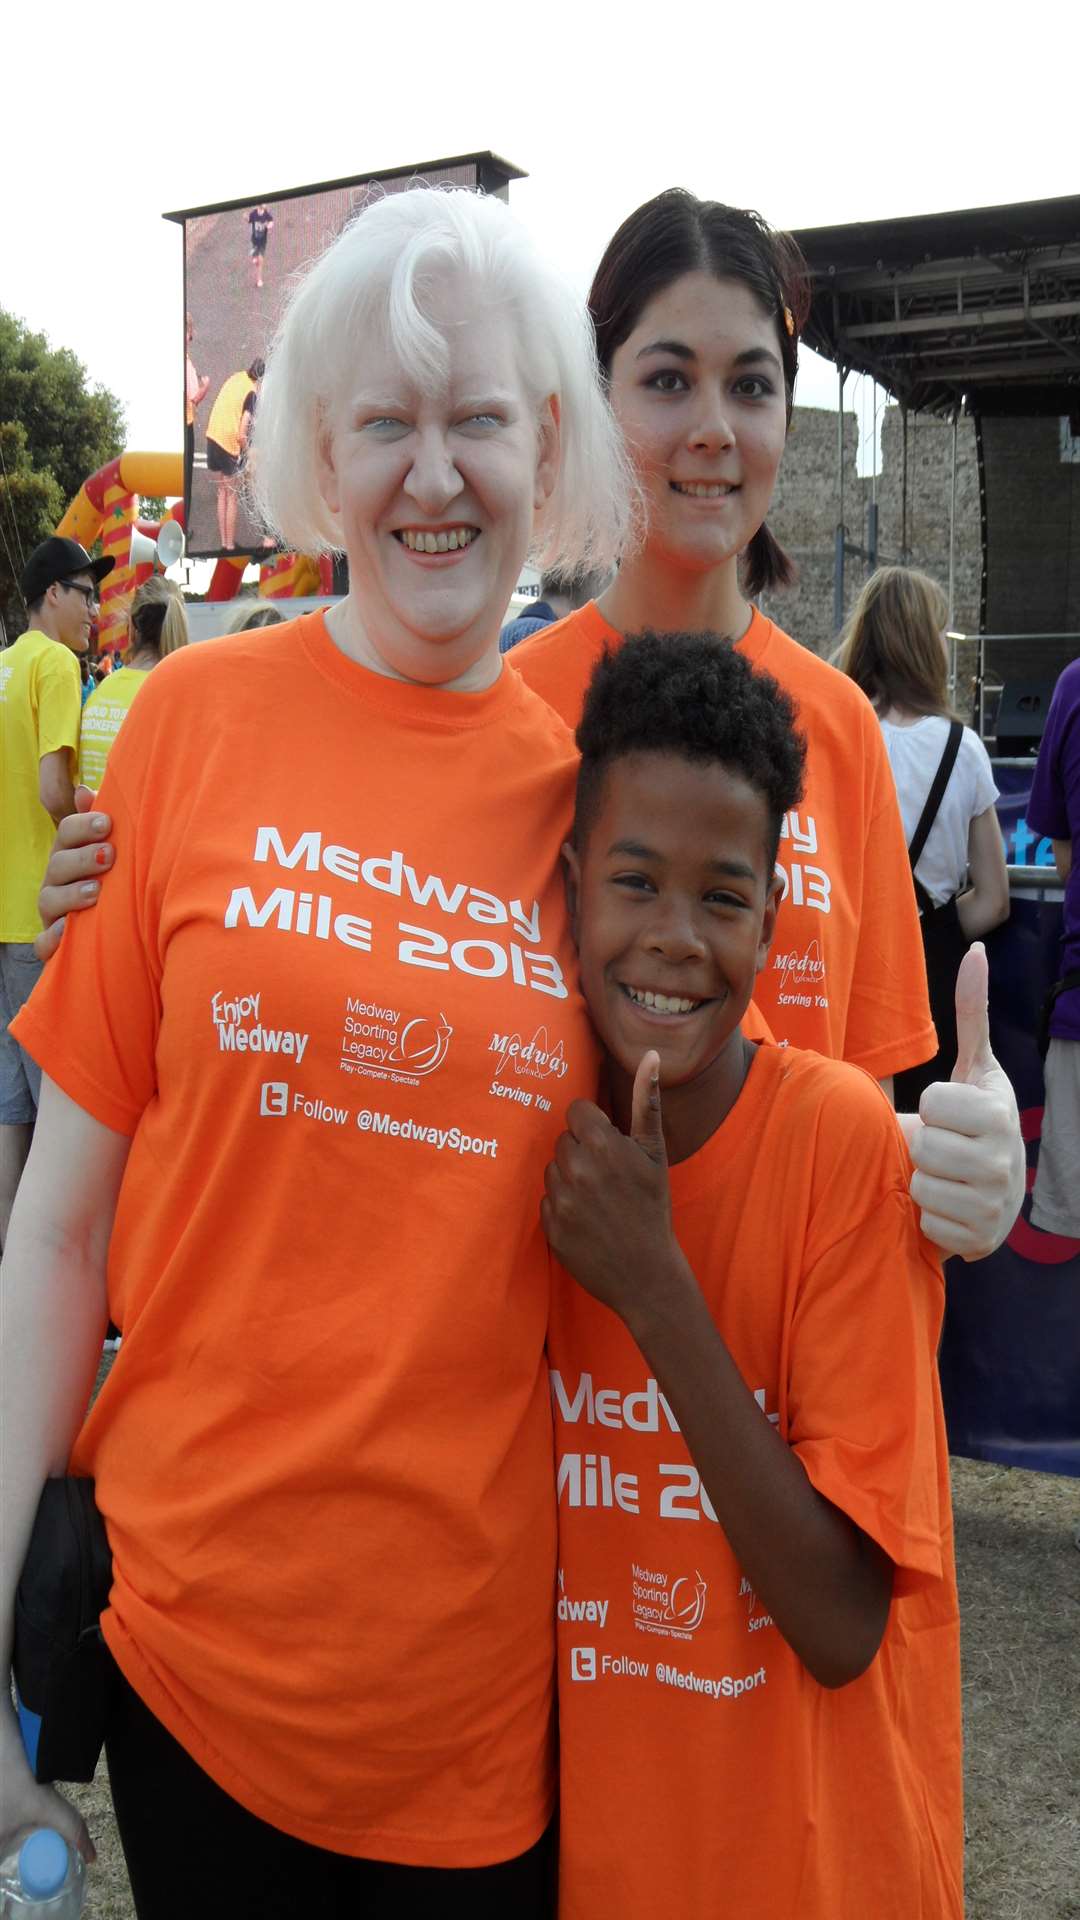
(930, 812)
(1066, 985)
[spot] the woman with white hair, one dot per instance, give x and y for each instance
(300, 1157)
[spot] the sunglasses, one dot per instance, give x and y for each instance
(89, 594)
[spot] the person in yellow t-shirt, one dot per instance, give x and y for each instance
(157, 625)
(40, 701)
(228, 431)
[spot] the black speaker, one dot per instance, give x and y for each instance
(1021, 715)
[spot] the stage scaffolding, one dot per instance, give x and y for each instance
(975, 312)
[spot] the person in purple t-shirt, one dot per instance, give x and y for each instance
(1054, 810)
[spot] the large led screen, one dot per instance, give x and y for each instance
(239, 261)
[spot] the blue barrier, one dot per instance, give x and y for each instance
(1010, 1354)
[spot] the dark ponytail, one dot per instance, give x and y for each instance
(765, 565)
(675, 234)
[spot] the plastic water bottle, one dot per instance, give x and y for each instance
(42, 1879)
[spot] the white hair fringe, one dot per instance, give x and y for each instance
(372, 277)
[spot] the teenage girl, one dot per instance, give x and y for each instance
(697, 309)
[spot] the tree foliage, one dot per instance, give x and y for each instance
(55, 430)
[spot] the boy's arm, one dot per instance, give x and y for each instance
(607, 1215)
(826, 1583)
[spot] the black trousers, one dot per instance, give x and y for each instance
(193, 1853)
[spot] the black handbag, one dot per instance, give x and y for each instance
(63, 1670)
(944, 943)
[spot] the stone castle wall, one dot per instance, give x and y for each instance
(806, 509)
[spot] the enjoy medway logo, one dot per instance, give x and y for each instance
(567, 1609)
(238, 1025)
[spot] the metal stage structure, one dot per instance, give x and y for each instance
(974, 312)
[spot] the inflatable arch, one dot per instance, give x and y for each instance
(106, 506)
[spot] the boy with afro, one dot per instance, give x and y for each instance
(758, 1633)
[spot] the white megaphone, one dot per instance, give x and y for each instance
(164, 552)
(170, 544)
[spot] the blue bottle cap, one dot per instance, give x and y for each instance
(43, 1863)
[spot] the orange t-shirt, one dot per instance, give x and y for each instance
(338, 1016)
(704, 1772)
(846, 973)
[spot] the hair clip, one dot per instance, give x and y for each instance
(789, 322)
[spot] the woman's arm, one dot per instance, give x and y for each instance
(965, 1140)
(52, 1283)
(80, 854)
(1063, 859)
(985, 903)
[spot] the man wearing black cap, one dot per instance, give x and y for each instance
(40, 703)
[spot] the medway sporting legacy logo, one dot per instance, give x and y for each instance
(421, 1046)
(381, 1044)
(663, 1605)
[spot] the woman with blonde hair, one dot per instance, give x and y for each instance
(250, 616)
(157, 626)
(893, 647)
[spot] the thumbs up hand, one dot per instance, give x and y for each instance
(966, 1143)
(646, 1121)
(607, 1207)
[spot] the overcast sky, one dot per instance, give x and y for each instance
(812, 116)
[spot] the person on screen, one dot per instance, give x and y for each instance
(195, 392)
(228, 431)
(260, 219)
